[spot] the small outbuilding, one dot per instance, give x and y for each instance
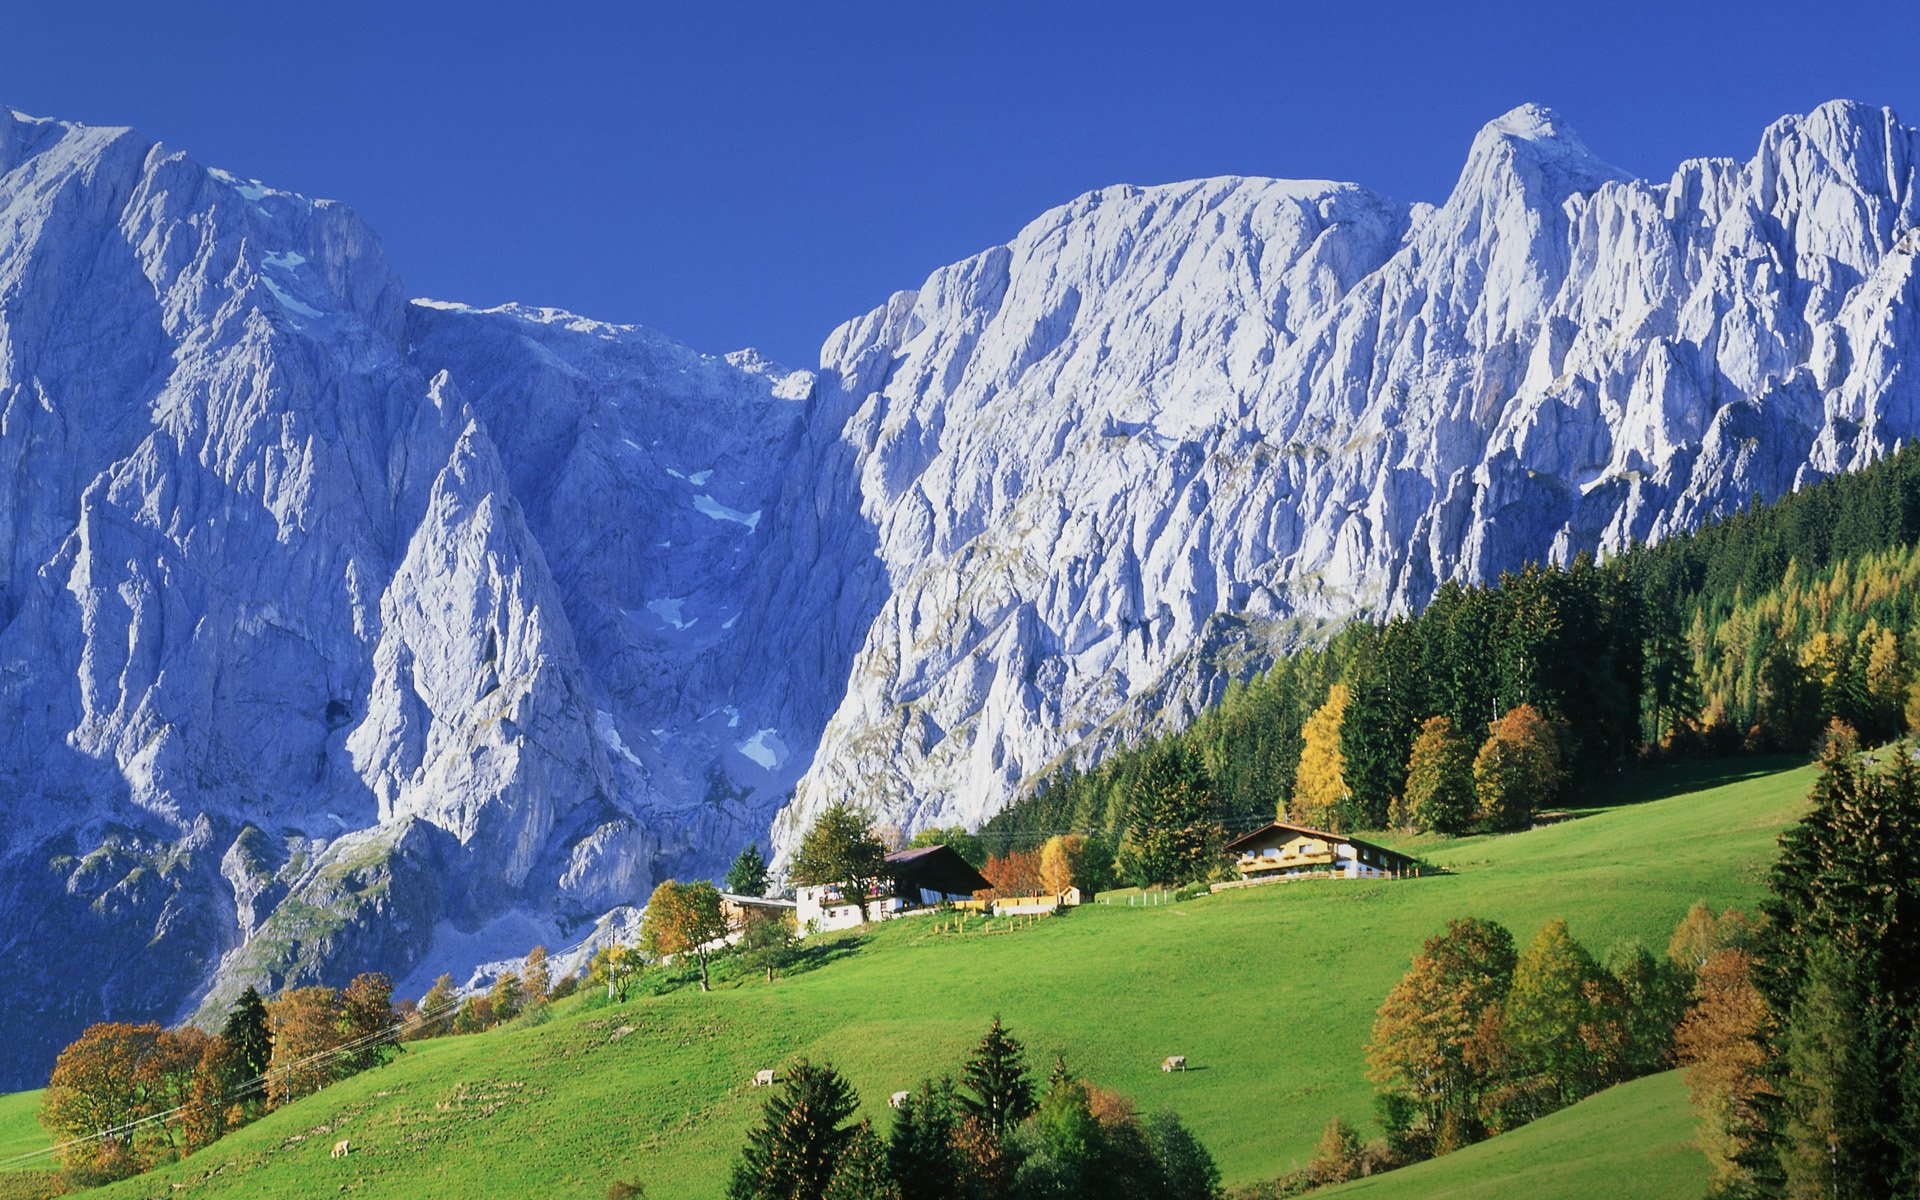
(1283, 851)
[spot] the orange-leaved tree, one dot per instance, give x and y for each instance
(1437, 1036)
(1517, 772)
(96, 1093)
(1060, 860)
(306, 1032)
(684, 918)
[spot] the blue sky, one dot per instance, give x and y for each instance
(737, 173)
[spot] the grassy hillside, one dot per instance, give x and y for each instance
(1269, 992)
(1640, 1131)
(20, 1131)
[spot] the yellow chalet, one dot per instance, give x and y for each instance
(1282, 851)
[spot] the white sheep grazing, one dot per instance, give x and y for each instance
(897, 1099)
(342, 1148)
(1174, 1062)
(763, 1078)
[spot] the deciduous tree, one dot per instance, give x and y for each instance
(1439, 794)
(1517, 771)
(841, 849)
(684, 919)
(98, 1087)
(1060, 860)
(1721, 1044)
(1320, 785)
(1426, 1056)
(434, 1015)
(1562, 1020)
(537, 980)
(306, 1030)
(368, 1025)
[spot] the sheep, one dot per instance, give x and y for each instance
(897, 1099)
(342, 1148)
(1174, 1062)
(763, 1078)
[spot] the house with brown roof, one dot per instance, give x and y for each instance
(916, 880)
(1283, 851)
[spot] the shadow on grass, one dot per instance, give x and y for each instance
(1638, 785)
(812, 955)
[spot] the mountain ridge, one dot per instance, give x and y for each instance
(338, 629)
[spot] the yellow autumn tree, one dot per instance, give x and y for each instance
(1320, 784)
(1060, 862)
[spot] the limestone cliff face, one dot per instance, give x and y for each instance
(341, 631)
(1280, 401)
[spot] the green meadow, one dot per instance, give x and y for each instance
(1269, 993)
(1635, 1139)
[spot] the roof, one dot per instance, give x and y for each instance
(757, 901)
(1268, 830)
(937, 869)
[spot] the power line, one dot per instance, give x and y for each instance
(246, 1087)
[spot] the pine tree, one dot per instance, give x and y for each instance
(921, 1151)
(251, 1039)
(792, 1153)
(1000, 1095)
(861, 1172)
(1173, 830)
(748, 874)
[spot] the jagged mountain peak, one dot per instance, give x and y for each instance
(462, 626)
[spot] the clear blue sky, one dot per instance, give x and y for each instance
(738, 173)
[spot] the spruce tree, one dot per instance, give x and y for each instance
(999, 1093)
(792, 1153)
(921, 1152)
(861, 1171)
(251, 1040)
(748, 874)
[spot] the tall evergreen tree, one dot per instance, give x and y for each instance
(921, 1152)
(999, 1094)
(792, 1153)
(748, 874)
(250, 1038)
(1173, 830)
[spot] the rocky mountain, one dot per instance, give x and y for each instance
(342, 631)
